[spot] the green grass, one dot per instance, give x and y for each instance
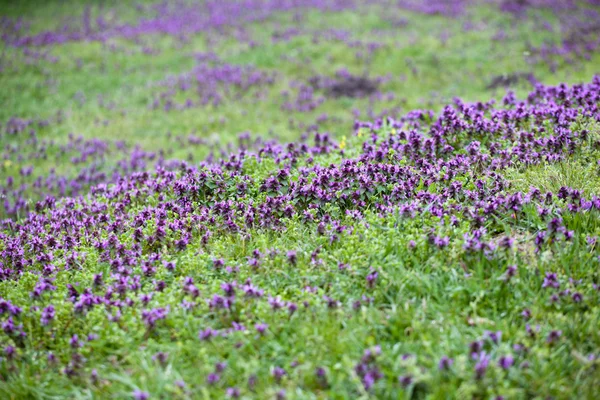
(579, 171)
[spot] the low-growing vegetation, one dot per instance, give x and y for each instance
(322, 199)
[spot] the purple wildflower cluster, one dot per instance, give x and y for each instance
(183, 20)
(405, 166)
(180, 20)
(447, 167)
(212, 84)
(27, 188)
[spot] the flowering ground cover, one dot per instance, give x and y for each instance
(300, 199)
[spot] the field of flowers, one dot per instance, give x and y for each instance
(300, 199)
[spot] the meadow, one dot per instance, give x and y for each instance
(300, 199)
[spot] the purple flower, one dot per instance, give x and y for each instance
(220, 366)
(440, 242)
(161, 358)
(372, 278)
(371, 354)
(483, 360)
(511, 271)
(252, 291)
(371, 377)
(9, 352)
(519, 348)
(229, 289)
(320, 372)
(505, 362)
(47, 315)
(252, 381)
(140, 395)
(150, 317)
(169, 266)
(219, 302)
(212, 378)
(74, 342)
(276, 303)
(207, 334)
(405, 380)
(292, 258)
(146, 298)
(507, 242)
(261, 328)
(233, 392)
(278, 373)
(532, 333)
(331, 303)
(292, 307)
(551, 280)
(494, 336)
(553, 336)
(445, 363)
(475, 347)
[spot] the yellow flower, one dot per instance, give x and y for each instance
(7, 163)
